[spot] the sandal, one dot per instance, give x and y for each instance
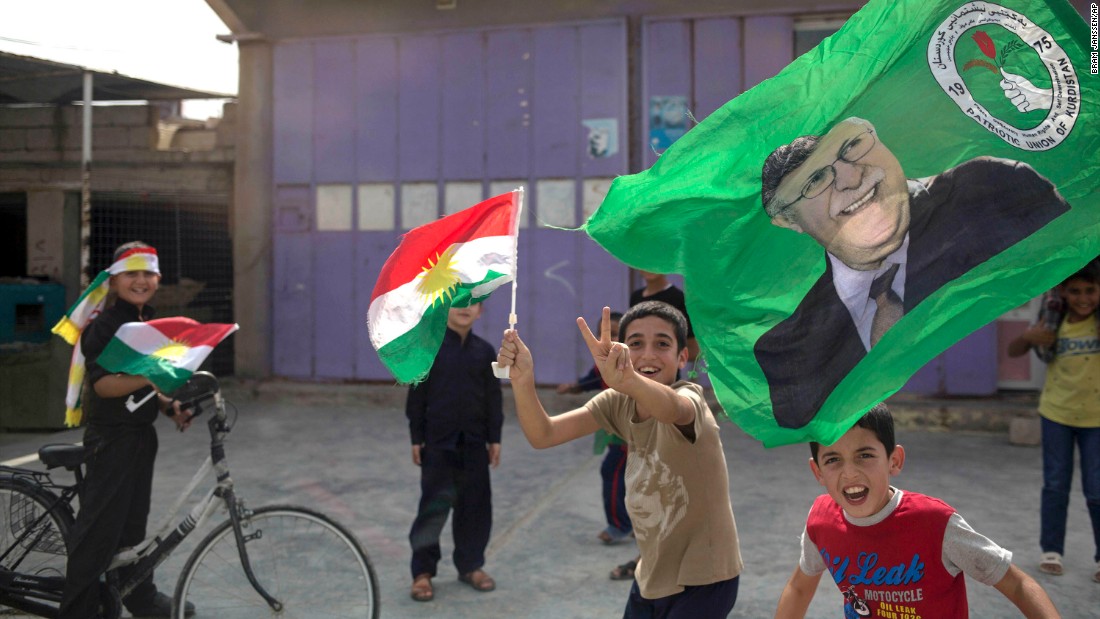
(612, 535)
(479, 580)
(1051, 563)
(624, 571)
(422, 588)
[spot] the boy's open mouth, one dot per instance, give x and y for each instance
(648, 370)
(855, 494)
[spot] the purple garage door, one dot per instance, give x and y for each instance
(375, 135)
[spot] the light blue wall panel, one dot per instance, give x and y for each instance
(292, 114)
(419, 115)
(603, 92)
(334, 119)
(376, 108)
(668, 73)
(556, 104)
(463, 106)
(769, 46)
(334, 305)
(717, 64)
(509, 70)
(292, 290)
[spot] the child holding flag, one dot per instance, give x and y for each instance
(119, 438)
(691, 560)
(892, 552)
(613, 468)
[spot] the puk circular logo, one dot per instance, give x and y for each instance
(1007, 74)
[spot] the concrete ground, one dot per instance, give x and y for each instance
(344, 450)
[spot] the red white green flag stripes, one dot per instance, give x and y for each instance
(453, 262)
(166, 350)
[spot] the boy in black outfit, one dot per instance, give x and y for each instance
(121, 444)
(455, 418)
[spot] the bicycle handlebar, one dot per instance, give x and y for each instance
(200, 388)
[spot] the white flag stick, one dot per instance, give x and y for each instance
(498, 370)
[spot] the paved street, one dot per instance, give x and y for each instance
(344, 450)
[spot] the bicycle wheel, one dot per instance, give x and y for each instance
(32, 540)
(313, 566)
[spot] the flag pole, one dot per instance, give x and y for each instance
(498, 370)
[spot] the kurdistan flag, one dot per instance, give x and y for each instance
(933, 164)
(165, 350)
(454, 261)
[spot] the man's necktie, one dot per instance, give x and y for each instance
(890, 309)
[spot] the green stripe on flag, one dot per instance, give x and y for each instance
(409, 356)
(118, 357)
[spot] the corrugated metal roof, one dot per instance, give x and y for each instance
(24, 79)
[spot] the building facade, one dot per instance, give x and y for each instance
(359, 121)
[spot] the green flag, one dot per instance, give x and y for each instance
(930, 166)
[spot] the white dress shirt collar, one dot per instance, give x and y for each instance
(853, 288)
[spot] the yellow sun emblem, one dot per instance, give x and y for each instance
(172, 351)
(439, 279)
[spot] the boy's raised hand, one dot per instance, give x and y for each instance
(1039, 335)
(611, 358)
(515, 354)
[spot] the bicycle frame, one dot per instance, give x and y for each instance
(155, 549)
(131, 566)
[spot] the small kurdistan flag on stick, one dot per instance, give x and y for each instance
(934, 164)
(453, 262)
(166, 350)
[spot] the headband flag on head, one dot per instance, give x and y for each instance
(87, 307)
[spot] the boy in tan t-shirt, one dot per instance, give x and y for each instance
(677, 488)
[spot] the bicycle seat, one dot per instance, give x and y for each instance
(61, 454)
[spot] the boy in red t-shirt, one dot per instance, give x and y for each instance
(888, 548)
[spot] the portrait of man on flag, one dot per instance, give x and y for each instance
(924, 170)
(889, 242)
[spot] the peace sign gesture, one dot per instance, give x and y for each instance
(612, 358)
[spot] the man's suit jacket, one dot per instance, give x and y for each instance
(960, 219)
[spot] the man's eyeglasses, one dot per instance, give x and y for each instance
(851, 151)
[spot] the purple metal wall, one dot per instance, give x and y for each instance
(709, 61)
(482, 107)
(486, 107)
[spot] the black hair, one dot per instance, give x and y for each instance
(1089, 273)
(879, 421)
(782, 162)
(661, 310)
(125, 247)
(613, 317)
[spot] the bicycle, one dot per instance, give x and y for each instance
(278, 560)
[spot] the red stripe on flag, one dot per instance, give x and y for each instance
(191, 332)
(493, 217)
(135, 251)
